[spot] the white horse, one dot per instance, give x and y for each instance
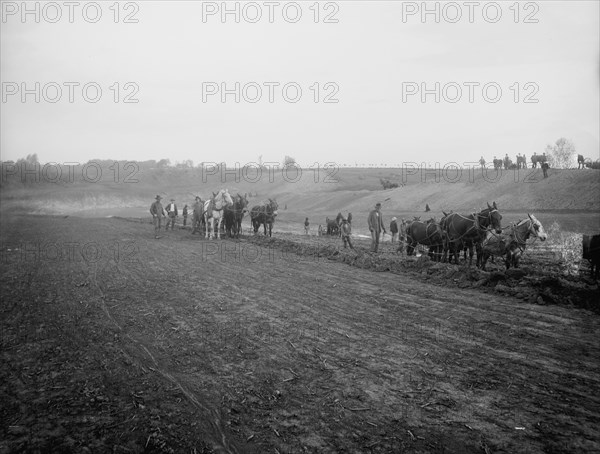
(213, 210)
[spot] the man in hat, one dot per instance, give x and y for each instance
(375, 222)
(197, 216)
(158, 213)
(394, 229)
(172, 214)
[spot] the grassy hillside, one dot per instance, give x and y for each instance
(349, 189)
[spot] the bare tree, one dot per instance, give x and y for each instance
(561, 154)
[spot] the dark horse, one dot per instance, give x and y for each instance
(470, 230)
(428, 234)
(512, 244)
(535, 158)
(333, 228)
(235, 214)
(264, 214)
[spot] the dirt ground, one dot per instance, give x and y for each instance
(112, 341)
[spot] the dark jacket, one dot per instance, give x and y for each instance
(375, 221)
(393, 227)
(156, 209)
(172, 209)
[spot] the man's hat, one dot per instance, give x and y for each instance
(172, 200)
(198, 197)
(394, 219)
(378, 204)
(158, 197)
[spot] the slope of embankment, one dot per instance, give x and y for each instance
(325, 191)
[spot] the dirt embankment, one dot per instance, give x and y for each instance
(345, 189)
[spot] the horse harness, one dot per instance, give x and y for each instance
(476, 223)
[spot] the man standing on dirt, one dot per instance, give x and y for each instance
(346, 230)
(401, 236)
(172, 213)
(375, 222)
(394, 229)
(197, 216)
(306, 226)
(185, 215)
(158, 213)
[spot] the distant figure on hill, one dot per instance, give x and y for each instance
(172, 214)
(185, 215)
(158, 213)
(545, 167)
(427, 207)
(482, 162)
(320, 232)
(394, 229)
(306, 226)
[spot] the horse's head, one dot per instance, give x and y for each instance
(273, 205)
(537, 229)
(494, 217)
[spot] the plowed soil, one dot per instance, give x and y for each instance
(113, 341)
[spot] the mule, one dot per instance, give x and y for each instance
(264, 214)
(512, 244)
(428, 234)
(213, 212)
(470, 230)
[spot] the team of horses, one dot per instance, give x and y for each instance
(480, 231)
(224, 213)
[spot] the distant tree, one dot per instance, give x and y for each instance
(163, 163)
(561, 154)
(288, 160)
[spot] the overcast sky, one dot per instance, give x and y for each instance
(374, 55)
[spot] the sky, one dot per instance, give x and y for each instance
(369, 74)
